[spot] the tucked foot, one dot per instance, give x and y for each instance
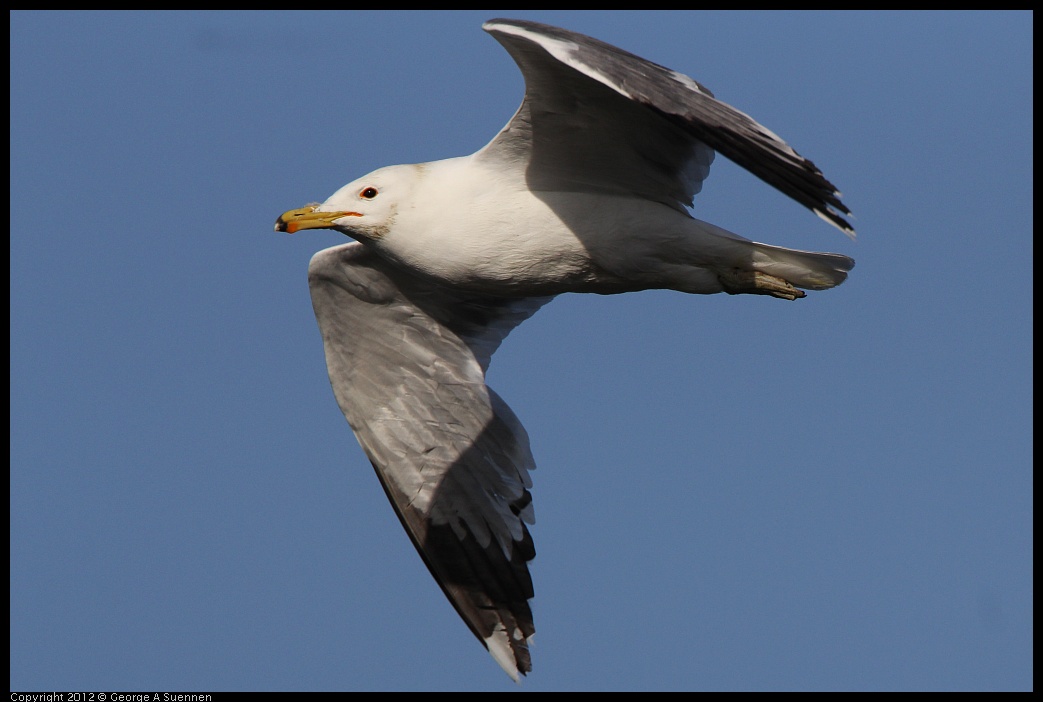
(738, 282)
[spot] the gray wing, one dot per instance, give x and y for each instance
(598, 118)
(407, 363)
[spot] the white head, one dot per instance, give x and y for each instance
(364, 209)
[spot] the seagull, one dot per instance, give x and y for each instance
(585, 189)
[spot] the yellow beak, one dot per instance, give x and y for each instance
(307, 218)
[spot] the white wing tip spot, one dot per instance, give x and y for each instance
(501, 652)
(847, 230)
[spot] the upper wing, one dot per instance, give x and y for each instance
(406, 360)
(596, 117)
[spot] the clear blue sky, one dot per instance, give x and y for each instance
(732, 493)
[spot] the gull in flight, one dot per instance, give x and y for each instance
(584, 190)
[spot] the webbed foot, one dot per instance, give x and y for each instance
(738, 282)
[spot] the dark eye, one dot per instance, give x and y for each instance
(368, 193)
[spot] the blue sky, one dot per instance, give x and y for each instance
(732, 492)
